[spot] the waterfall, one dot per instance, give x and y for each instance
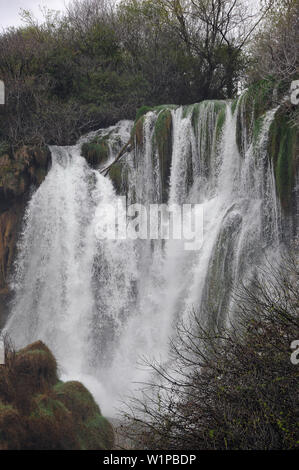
(100, 305)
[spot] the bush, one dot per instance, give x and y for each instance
(230, 388)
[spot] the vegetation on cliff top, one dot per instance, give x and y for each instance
(103, 59)
(261, 97)
(39, 412)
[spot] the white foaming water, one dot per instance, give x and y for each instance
(101, 305)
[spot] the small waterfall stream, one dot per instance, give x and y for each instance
(102, 304)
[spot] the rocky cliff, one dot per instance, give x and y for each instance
(20, 171)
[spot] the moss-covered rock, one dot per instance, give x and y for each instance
(37, 411)
(283, 135)
(220, 122)
(36, 367)
(163, 131)
(219, 283)
(234, 105)
(259, 98)
(142, 111)
(50, 425)
(91, 428)
(163, 139)
(283, 150)
(253, 104)
(118, 174)
(137, 132)
(146, 109)
(96, 152)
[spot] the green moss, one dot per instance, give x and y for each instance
(219, 105)
(195, 116)
(260, 95)
(50, 425)
(163, 139)
(12, 431)
(217, 289)
(283, 147)
(137, 131)
(220, 122)
(36, 366)
(255, 102)
(47, 406)
(42, 412)
(163, 125)
(142, 111)
(188, 110)
(219, 108)
(96, 152)
(257, 127)
(92, 430)
(77, 399)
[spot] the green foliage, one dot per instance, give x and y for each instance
(89, 69)
(119, 177)
(92, 429)
(259, 99)
(220, 122)
(195, 116)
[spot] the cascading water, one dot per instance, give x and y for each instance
(101, 304)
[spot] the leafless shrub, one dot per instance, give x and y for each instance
(275, 49)
(229, 388)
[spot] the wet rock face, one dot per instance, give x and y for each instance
(20, 171)
(10, 221)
